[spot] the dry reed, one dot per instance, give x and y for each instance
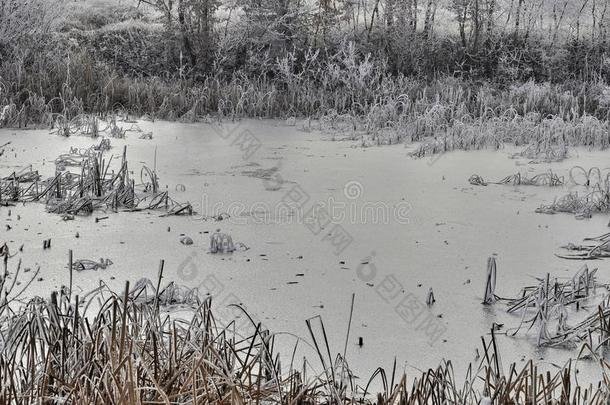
(163, 345)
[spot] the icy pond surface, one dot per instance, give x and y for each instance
(407, 225)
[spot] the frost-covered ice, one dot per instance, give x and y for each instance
(415, 225)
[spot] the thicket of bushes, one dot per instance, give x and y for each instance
(281, 58)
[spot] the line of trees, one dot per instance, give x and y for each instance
(471, 37)
(508, 40)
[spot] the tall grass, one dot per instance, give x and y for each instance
(343, 93)
(152, 344)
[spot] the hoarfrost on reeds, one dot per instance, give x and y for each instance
(549, 302)
(106, 347)
(597, 248)
(549, 179)
(93, 185)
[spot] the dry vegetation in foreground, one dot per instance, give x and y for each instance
(153, 344)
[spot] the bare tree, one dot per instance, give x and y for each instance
(26, 20)
(325, 17)
(164, 6)
(580, 11)
(195, 25)
(429, 17)
(462, 11)
(476, 25)
(373, 14)
(518, 15)
(414, 14)
(389, 13)
(602, 23)
(491, 5)
(557, 20)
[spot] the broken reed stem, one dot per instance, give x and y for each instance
(159, 278)
(124, 322)
(490, 282)
(71, 270)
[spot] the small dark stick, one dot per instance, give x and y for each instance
(160, 276)
(71, 270)
(360, 341)
(430, 300)
(490, 282)
(124, 320)
(75, 312)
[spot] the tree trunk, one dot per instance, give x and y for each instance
(375, 11)
(429, 19)
(602, 24)
(463, 15)
(414, 15)
(558, 21)
(184, 32)
(389, 13)
(518, 15)
(584, 4)
(476, 24)
(491, 4)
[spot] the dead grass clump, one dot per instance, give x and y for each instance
(596, 248)
(92, 126)
(592, 177)
(596, 200)
(221, 243)
(549, 179)
(85, 181)
(545, 307)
